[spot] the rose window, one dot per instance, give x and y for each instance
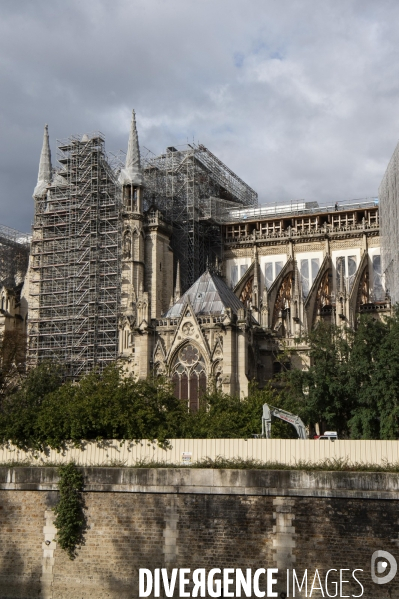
(189, 355)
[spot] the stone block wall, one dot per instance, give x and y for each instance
(187, 518)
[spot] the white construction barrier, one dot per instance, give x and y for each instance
(189, 451)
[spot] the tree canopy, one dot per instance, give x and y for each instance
(351, 385)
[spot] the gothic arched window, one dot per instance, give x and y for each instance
(136, 246)
(189, 375)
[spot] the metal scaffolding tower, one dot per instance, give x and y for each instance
(389, 225)
(75, 263)
(193, 189)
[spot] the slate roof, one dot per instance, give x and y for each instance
(208, 295)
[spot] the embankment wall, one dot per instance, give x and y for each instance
(195, 518)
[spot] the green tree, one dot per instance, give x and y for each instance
(110, 406)
(362, 385)
(387, 380)
(12, 361)
(225, 416)
(320, 394)
(19, 411)
(375, 379)
(352, 384)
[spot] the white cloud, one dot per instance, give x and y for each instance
(299, 97)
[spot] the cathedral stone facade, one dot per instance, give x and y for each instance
(281, 269)
(203, 335)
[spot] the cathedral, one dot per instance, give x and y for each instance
(204, 334)
(208, 289)
(282, 269)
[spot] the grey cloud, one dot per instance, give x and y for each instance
(300, 98)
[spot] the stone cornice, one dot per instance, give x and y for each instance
(293, 483)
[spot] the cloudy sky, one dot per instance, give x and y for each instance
(299, 97)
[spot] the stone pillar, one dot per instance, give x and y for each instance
(242, 361)
(171, 534)
(143, 351)
(284, 541)
(229, 361)
(159, 269)
(48, 559)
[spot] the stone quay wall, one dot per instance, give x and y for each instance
(195, 518)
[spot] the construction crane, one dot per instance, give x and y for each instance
(269, 411)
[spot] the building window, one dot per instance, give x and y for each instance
(346, 271)
(127, 196)
(309, 267)
(189, 376)
(306, 223)
(272, 270)
(373, 217)
(134, 202)
(234, 231)
(243, 270)
(344, 220)
(234, 275)
(270, 227)
(378, 290)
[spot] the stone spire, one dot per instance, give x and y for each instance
(178, 285)
(296, 290)
(131, 174)
(44, 176)
(255, 285)
(265, 309)
(296, 294)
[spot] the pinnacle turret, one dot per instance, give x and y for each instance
(178, 284)
(255, 285)
(44, 176)
(131, 174)
(296, 281)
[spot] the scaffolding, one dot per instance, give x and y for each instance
(389, 226)
(75, 261)
(193, 189)
(14, 256)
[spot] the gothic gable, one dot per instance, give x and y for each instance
(274, 292)
(319, 294)
(188, 329)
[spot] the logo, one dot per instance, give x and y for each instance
(379, 564)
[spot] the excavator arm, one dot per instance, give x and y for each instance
(269, 411)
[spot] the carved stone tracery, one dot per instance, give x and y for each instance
(188, 329)
(189, 376)
(246, 293)
(283, 297)
(323, 297)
